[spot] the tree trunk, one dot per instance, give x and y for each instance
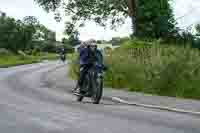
(132, 13)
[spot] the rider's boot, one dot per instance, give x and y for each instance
(76, 88)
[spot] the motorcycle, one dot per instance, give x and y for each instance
(62, 57)
(93, 84)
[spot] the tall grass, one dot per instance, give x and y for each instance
(163, 70)
(152, 68)
(73, 66)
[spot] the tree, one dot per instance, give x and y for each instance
(42, 33)
(156, 19)
(197, 27)
(30, 24)
(24, 35)
(9, 33)
(99, 41)
(30, 20)
(73, 40)
(152, 18)
(65, 41)
(66, 45)
(50, 35)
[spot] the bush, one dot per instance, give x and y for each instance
(4, 52)
(48, 46)
(35, 52)
(22, 55)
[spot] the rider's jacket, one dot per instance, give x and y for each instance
(86, 56)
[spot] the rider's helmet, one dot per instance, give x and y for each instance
(83, 45)
(91, 43)
(94, 45)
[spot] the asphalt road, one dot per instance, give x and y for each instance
(27, 105)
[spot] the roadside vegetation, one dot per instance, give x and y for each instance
(138, 66)
(27, 41)
(163, 70)
(8, 59)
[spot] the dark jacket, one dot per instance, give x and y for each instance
(62, 51)
(86, 56)
(99, 57)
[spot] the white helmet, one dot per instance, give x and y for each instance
(92, 42)
(83, 44)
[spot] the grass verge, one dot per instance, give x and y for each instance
(15, 60)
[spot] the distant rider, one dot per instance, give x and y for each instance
(62, 54)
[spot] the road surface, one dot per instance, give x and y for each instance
(27, 105)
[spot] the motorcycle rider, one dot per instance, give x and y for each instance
(88, 54)
(62, 54)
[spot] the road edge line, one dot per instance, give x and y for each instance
(117, 99)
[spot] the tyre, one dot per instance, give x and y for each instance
(63, 59)
(97, 86)
(84, 87)
(79, 98)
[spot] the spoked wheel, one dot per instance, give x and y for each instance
(85, 88)
(97, 86)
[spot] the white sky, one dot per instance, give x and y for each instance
(22, 8)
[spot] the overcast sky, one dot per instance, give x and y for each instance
(22, 8)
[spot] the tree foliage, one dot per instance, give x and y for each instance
(155, 18)
(18, 35)
(152, 18)
(197, 27)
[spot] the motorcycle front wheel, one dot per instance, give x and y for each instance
(84, 87)
(97, 86)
